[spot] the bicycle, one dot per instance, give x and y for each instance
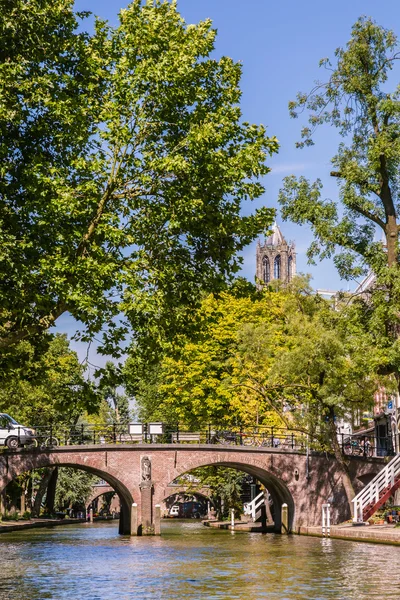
(47, 442)
(226, 438)
(354, 448)
(261, 440)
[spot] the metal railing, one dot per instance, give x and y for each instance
(118, 433)
(256, 437)
(251, 508)
(374, 491)
(367, 445)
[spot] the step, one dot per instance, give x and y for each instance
(370, 509)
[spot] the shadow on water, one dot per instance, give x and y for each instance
(190, 561)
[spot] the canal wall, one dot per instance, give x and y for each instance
(17, 526)
(376, 534)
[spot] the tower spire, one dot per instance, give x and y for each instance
(276, 259)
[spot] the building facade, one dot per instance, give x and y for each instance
(275, 259)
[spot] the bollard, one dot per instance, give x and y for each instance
(157, 520)
(232, 519)
(285, 519)
(134, 519)
(91, 515)
(326, 519)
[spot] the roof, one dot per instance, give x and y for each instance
(276, 238)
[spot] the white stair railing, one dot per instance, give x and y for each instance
(251, 508)
(375, 488)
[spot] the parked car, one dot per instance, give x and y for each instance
(174, 511)
(13, 434)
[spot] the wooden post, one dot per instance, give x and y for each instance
(134, 519)
(285, 519)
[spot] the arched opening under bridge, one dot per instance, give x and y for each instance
(277, 491)
(104, 503)
(191, 504)
(43, 460)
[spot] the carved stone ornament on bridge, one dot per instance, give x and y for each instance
(146, 469)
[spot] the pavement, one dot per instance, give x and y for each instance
(387, 533)
(378, 534)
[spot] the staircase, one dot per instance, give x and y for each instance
(253, 508)
(375, 494)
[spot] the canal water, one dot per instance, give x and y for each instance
(92, 562)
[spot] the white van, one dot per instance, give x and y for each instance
(174, 511)
(12, 434)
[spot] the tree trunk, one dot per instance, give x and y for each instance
(23, 506)
(41, 491)
(392, 235)
(270, 520)
(51, 491)
(342, 464)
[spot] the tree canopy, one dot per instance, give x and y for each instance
(47, 386)
(195, 380)
(125, 166)
(357, 99)
(281, 357)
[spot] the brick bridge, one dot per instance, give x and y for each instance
(141, 475)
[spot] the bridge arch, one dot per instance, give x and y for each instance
(96, 494)
(277, 488)
(171, 495)
(31, 461)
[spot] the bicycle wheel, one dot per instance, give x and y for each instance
(248, 440)
(265, 442)
(50, 442)
(227, 441)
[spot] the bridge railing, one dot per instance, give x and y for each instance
(253, 436)
(124, 433)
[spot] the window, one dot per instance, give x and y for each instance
(277, 267)
(266, 270)
(4, 422)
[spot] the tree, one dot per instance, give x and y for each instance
(194, 381)
(73, 487)
(108, 388)
(41, 388)
(125, 166)
(325, 369)
(356, 101)
(46, 476)
(280, 357)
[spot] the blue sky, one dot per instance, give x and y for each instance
(280, 45)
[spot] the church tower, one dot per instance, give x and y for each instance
(276, 259)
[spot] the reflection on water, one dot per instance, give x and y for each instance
(92, 562)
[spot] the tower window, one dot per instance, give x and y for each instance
(277, 267)
(266, 270)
